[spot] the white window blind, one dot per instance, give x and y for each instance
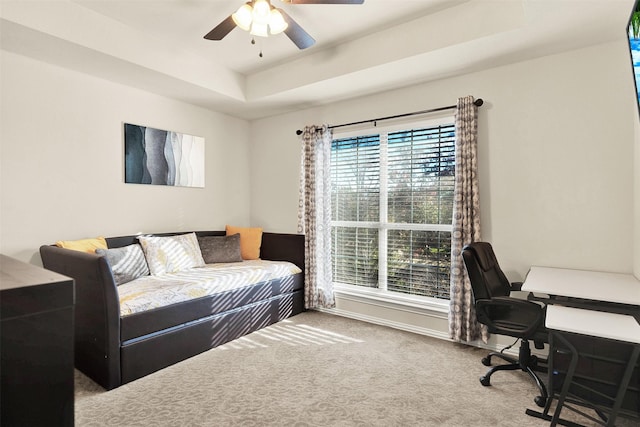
(392, 200)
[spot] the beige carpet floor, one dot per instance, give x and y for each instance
(317, 369)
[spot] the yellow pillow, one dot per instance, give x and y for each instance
(84, 245)
(250, 240)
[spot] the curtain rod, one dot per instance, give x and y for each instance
(478, 102)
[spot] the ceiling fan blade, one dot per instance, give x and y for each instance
(294, 31)
(223, 28)
(324, 1)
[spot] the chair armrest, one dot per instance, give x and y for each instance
(516, 286)
(510, 316)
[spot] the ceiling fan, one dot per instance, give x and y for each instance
(260, 18)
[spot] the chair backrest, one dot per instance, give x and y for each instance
(486, 277)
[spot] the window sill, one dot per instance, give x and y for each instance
(420, 315)
(393, 300)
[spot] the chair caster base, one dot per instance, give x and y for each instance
(540, 401)
(485, 381)
(486, 361)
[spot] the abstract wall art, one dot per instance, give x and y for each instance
(160, 157)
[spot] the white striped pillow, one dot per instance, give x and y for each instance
(127, 263)
(170, 254)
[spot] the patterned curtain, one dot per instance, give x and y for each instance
(463, 325)
(314, 215)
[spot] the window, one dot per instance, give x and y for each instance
(392, 203)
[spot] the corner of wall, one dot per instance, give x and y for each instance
(636, 203)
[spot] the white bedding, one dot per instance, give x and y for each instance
(150, 292)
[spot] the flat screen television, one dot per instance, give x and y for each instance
(633, 30)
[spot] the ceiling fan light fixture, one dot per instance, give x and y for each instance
(243, 17)
(261, 11)
(260, 18)
(277, 24)
(259, 29)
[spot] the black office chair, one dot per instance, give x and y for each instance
(505, 315)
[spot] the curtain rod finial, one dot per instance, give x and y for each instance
(298, 132)
(478, 102)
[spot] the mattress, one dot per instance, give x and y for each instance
(151, 292)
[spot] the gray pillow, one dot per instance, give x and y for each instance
(220, 248)
(127, 263)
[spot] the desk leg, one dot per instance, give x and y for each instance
(622, 389)
(550, 377)
(544, 415)
(567, 380)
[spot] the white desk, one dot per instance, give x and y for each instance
(600, 324)
(611, 326)
(593, 285)
(590, 303)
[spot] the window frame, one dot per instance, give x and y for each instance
(381, 295)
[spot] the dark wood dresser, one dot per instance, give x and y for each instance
(36, 346)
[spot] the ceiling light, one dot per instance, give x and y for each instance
(259, 29)
(277, 24)
(242, 17)
(260, 18)
(261, 9)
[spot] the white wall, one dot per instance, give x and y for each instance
(61, 161)
(556, 158)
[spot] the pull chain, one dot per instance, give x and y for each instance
(253, 42)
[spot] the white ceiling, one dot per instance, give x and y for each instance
(158, 45)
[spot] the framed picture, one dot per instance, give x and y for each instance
(160, 157)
